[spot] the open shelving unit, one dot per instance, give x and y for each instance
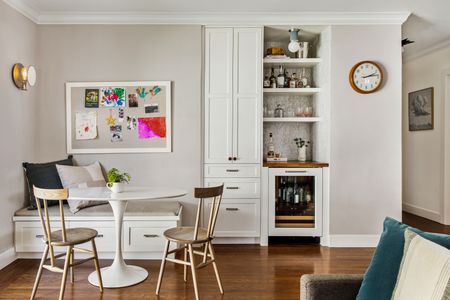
(293, 119)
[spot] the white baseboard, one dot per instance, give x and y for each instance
(354, 240)
(236, 240)
(422, 212)
(7, 257)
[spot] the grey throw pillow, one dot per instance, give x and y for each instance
(81, 177)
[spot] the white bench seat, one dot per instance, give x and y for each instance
(143, 225)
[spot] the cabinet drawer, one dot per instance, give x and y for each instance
(235, 220)
(142, 237)
(106, 238)
(232, 170)
(236, 187)
(29, 236)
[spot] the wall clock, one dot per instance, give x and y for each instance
(366, 77)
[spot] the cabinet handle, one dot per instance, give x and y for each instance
(232, 208)
(99, 235)
(232, 187)
(151, 235)
(295, 172)
(39, 236)
(232, 170)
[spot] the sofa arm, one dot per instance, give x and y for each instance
(329, 287)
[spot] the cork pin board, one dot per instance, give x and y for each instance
(118, 117)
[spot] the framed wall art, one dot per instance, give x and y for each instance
(421, 109)
(118, 117)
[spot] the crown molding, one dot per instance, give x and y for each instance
(212, 18)
(407, 57)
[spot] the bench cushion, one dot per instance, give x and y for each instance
(134, 208)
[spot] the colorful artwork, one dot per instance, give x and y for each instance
(133, 100)
(151, 108)
(112, 97)
(149, 128)
(131, 123)
(86, 125)
(91, 98)
(155, 90)
(110, 120)
(116, 133)
(142, 92)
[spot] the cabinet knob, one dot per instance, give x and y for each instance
(234, 158)
(229, 158)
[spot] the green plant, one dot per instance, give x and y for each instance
(114, 175)
(300, 143)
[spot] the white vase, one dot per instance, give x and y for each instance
(116, 187)
(302, 153)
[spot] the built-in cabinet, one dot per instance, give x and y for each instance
(233, 123)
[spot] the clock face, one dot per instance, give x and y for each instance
(366, 77)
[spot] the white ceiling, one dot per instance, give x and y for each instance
(428, 25)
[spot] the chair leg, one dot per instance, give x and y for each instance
(97, 266)
(185, 266)
(72, 275)
(216, 270)
(39, 273)
(163, 265)
(66, 268)
(194, 271)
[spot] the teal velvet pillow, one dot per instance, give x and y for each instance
(381, 276)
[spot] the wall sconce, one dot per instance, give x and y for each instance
(22, 76)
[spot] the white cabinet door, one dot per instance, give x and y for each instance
(218, 95)
(247, 95)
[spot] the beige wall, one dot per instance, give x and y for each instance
(365, 164)
(425, 156)
(127, 53)
(18, 38)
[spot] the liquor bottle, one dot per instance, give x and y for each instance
(280, 78)
(266, 82)
(271, 147)
(273, 79)
(286, 78)
(290, 191)
(283, 192)
(300, 194)
(293, 81)
(304, 79)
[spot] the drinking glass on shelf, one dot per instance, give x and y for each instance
(265, 111)
(308, 112)
(290, 113)
(299, 112)
(270, 113)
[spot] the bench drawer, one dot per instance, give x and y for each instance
(236, 187)
(235, 219)
(142, 237)
(29, 236)
(242, 171)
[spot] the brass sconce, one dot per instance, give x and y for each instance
(22, 76)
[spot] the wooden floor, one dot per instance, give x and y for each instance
(248, 272)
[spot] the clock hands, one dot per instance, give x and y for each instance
(371, 75)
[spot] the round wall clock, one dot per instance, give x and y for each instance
(366, 77)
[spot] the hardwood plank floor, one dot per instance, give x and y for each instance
(248, 272)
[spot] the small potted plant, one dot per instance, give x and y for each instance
(301, 147)
(117, 180)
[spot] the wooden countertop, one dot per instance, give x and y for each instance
(295, 164)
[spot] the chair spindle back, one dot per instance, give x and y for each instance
(204, 193)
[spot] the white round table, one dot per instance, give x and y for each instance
(119, 274)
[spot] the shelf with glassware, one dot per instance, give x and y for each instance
(271, 62)
(293, 119)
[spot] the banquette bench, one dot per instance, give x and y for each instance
(143, 225)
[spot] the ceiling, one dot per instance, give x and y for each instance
(428, 24)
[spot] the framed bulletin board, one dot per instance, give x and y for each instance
(118, 117)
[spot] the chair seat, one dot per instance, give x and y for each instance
(74, 236)
(185, 235)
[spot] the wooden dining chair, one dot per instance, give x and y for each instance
(68, 238)
(187, 237)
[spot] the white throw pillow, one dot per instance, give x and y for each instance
(424, 271)
(81, 177)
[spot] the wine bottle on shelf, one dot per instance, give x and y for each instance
(280, 78)
(293, 81)
(273, 79)
(300, 194)
(270, 146)
(296, 194)
(286, 78)
(290, 191)
(308, 194)
(304, 79)
(266, 82)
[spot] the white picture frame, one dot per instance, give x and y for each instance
(70, 113)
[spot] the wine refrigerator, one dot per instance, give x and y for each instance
(295, 202)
